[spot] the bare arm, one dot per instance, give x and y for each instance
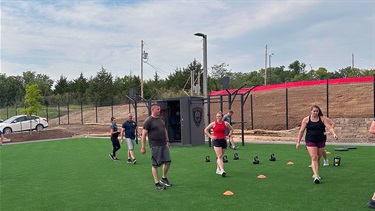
(227, 124)
(122, 134)
(208, 128)
(328, 123)
(144, 134)
(166, 137)
(372, 128)
(301, 131)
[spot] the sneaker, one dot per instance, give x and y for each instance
(134, 161)
(158, 186)
(223, 173)
(234, 147)
(116, 158)
(316, 179)
(371, 203)
(111, 156)
(165, 182)
(326, 163)
(309, 166)
(218, 171)
(129, 161)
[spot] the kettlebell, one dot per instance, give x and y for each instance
(225, 159)
(207, 158)
(256, 160)
(272, 157)
(235, 157)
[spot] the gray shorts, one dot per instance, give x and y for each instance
(130, 143)
(160, 155)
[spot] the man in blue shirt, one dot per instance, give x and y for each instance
(129, 127)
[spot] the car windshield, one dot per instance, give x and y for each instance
(11, 119)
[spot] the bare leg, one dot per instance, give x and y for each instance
(131, 154)
(155, 174)
(313, 151)
(219, 154)
(165, 170)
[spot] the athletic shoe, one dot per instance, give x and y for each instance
(158, 186)
(111, 156)
(234, 147)
(165, 182)
(326, 163)
(371, 203)
(218, 171)
(129, 161)
(309, 166)
(316, 179)
(134, 161)
(116, 158)
(223, 173)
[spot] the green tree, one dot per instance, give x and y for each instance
(12, 90)
(297, 67)
(43, 81)
(32, 99)
(218, 72)
(62, 86)
(101, 88)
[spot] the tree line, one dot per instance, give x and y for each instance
(104, 88)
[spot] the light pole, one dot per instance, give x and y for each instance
(269, 61)
(204, 75)
(142, 69)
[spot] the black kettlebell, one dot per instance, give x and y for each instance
(256, 160)
(207, 158)
(272, 157)
(225, 159)
(235, 156)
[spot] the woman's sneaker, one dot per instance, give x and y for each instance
(326, 163)
(218, 171)
(223, 173)
(316, 179)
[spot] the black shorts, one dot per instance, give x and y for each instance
(160, 155)
(220, 143)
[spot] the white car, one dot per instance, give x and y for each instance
(23, 122)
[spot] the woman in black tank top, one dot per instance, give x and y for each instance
(315, 138)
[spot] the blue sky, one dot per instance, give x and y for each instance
(69, 37)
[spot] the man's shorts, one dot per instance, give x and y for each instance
(321, 144)
(220, 143)
(130, 143)
(160, 155)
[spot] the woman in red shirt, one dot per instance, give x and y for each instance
(219, 140)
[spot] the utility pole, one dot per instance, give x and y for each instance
(352, 60)
(265, 68)
(142, 69)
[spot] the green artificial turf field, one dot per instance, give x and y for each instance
(77, 174)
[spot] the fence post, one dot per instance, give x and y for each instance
(112, 107)
(58, 110)
(242, 121)
(327, 97)
(96, 111)
(81, 113)
(286, 108)
(373, 83)
(251, 111)
(68, 111)
(221, 102)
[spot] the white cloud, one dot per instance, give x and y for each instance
(70, 37)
